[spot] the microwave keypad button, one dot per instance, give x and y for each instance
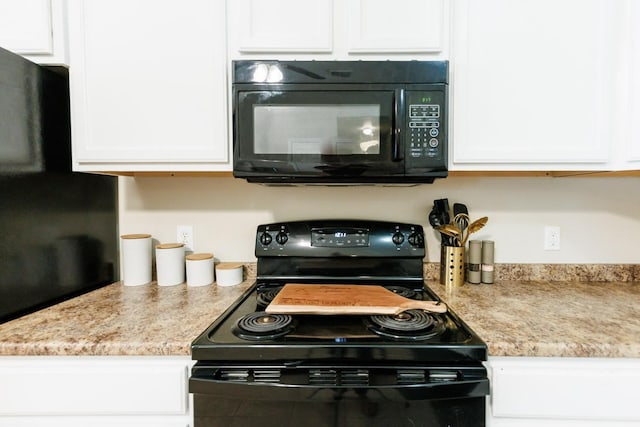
(433, 143)
(433, 132)
(424, 111)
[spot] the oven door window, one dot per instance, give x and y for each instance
(317, 132)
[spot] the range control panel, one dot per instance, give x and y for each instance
(339, 237)
(334, 238)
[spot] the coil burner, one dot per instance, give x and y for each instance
(402, 291)
(263, 326)
(413, 325)
(265, 296)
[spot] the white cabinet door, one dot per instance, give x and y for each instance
(281, 25)
(532, 84)
(35, 29)
(117, 391)
(563, 392)
(631, 146)
(338, 29)
(383, 26)
(148, 85)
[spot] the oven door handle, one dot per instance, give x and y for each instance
(296, 392)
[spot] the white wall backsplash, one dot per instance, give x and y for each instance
(599, 217)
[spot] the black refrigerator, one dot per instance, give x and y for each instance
(58, 228)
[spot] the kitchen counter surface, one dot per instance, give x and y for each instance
(533, 318)
(121, 320)
(555, 319)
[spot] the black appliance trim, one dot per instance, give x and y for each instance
(467, 381)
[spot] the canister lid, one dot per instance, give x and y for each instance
(228, 265)
(169, 245)
(135, 236)
(199, 257)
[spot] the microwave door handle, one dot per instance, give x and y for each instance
(397, 123)
(397, 151)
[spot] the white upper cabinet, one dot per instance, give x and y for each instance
(338, 29)
(148, 85)
(35, 29)
(282, 25)
(630, 155)
(533, 84)
(383, 26)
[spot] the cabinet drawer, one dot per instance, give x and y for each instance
(594, 389)
(82, 386)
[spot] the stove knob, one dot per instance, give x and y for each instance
(282, 237)
(398, 238)
(416, 239)
(265, 238)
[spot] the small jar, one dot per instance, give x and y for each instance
(229, 274)
(199, 269)
(170, 264)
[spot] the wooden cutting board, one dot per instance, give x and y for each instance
(295, 298)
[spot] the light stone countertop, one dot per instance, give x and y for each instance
(554, 319)
(527, 318)
(121, 320)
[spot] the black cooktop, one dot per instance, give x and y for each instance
(438, 337)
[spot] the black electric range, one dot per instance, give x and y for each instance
(427, 361)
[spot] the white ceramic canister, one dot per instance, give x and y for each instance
(229, 274)
(170, 264)
(135, 258)
(199, 269)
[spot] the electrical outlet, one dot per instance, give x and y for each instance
(184, 235)
(551, 238)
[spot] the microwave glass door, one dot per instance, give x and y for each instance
(317, 132)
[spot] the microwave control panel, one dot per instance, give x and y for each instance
(425, 136)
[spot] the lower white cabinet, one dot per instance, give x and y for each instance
(97, 391)
(563, 392)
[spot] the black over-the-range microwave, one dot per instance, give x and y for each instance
(340, 122)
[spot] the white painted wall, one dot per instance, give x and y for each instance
(599, 217)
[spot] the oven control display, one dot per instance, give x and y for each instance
(339, 237)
